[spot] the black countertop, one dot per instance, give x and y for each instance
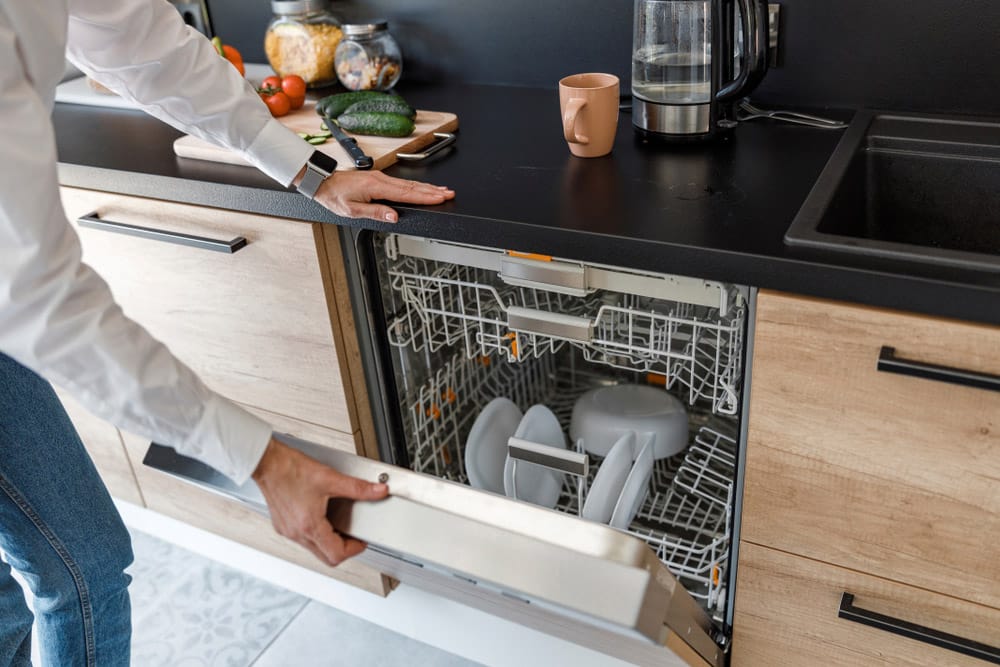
(716, 211)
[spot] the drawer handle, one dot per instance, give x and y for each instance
(94, 221)
(913, 631)
(888, 362)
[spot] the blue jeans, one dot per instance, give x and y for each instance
(60, 530)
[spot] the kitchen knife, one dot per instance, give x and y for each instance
(350, 144)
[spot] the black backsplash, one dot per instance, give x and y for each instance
(922, 55)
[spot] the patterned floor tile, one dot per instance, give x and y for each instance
(216, 616)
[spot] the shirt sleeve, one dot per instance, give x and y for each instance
(143, 51)
(58, 317)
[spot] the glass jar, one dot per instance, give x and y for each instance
(302, 39)
(368, 58)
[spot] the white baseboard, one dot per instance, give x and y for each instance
(447, 625)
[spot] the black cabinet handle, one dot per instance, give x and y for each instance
(94, 221)
(927, 635)
(888, 362)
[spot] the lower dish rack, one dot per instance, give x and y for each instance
(686, 517)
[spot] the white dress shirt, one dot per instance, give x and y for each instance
(57, 316)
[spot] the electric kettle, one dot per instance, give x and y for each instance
(679, 91)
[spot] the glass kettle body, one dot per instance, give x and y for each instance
(679, 92)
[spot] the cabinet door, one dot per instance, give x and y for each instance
(853, 463)
(788, 614)
(254, 324)
(233, 520)
(104, 444)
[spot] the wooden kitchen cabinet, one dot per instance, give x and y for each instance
(104, 444)
(255, 324)
(787, 616)
(871, 470)
(260, 326)
(852, 468)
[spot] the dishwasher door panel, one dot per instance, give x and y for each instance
(579, 580)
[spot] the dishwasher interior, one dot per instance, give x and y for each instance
(466, 324)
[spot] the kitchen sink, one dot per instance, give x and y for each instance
(909, 186)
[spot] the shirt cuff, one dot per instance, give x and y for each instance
(230, 439)
(279, 152)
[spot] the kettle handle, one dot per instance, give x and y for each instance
(753, 60)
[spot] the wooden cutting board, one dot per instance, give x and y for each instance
(382, 149)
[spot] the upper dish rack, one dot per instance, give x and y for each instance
(686, 333)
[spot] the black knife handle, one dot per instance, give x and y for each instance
(361, 160)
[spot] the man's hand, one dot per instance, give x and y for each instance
(349, 193)
(297, 489)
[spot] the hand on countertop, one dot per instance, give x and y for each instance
(349, 193)
(297, 489)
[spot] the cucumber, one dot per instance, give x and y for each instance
(315, 141)
(334, 105)
(377, 124)
(391, 104)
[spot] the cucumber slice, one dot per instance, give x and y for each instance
(317, 140)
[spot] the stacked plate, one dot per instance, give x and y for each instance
(629, 426)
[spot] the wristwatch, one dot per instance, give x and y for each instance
(318, 169)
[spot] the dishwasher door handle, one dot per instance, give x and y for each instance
(888, 362)
(921, 633)
(94, 221)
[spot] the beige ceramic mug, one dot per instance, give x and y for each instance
(589, 104)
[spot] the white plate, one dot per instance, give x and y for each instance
(536, 484)
(609, 481)
(486, 446)
(636, 487)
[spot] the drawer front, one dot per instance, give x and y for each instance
(787, 607)
(234, 521)
(875, 471)
(254, 324)
(104, 444)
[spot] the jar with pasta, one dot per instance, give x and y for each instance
(368, 58)
(302, 39)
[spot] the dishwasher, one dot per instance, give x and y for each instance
(444, 329)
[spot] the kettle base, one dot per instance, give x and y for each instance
(671, 119)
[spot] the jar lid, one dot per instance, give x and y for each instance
(298, 6)
(361, 29)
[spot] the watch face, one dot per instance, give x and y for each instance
(323, 161)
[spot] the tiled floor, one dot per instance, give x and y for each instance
(191, 611)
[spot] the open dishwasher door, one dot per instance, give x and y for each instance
(578, 580)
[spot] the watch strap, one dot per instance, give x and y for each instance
(319, 167)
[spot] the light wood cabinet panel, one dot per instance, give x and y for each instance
(253, 324)
(786, 616)
(104, 444)
(229, 519)
(882, 473)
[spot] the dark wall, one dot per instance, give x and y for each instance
(928, 55)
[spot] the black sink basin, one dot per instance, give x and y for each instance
(909, 186)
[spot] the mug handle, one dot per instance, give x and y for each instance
(573, 107)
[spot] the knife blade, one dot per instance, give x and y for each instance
(349, 143)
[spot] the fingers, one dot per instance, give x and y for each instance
(342, 486)
(410, 192)
(374, 211)
(334, 547)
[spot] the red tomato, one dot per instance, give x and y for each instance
(271, 82)
(278, 103)
(297, 102)
(294, 86)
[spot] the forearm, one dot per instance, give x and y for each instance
(144, 52)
